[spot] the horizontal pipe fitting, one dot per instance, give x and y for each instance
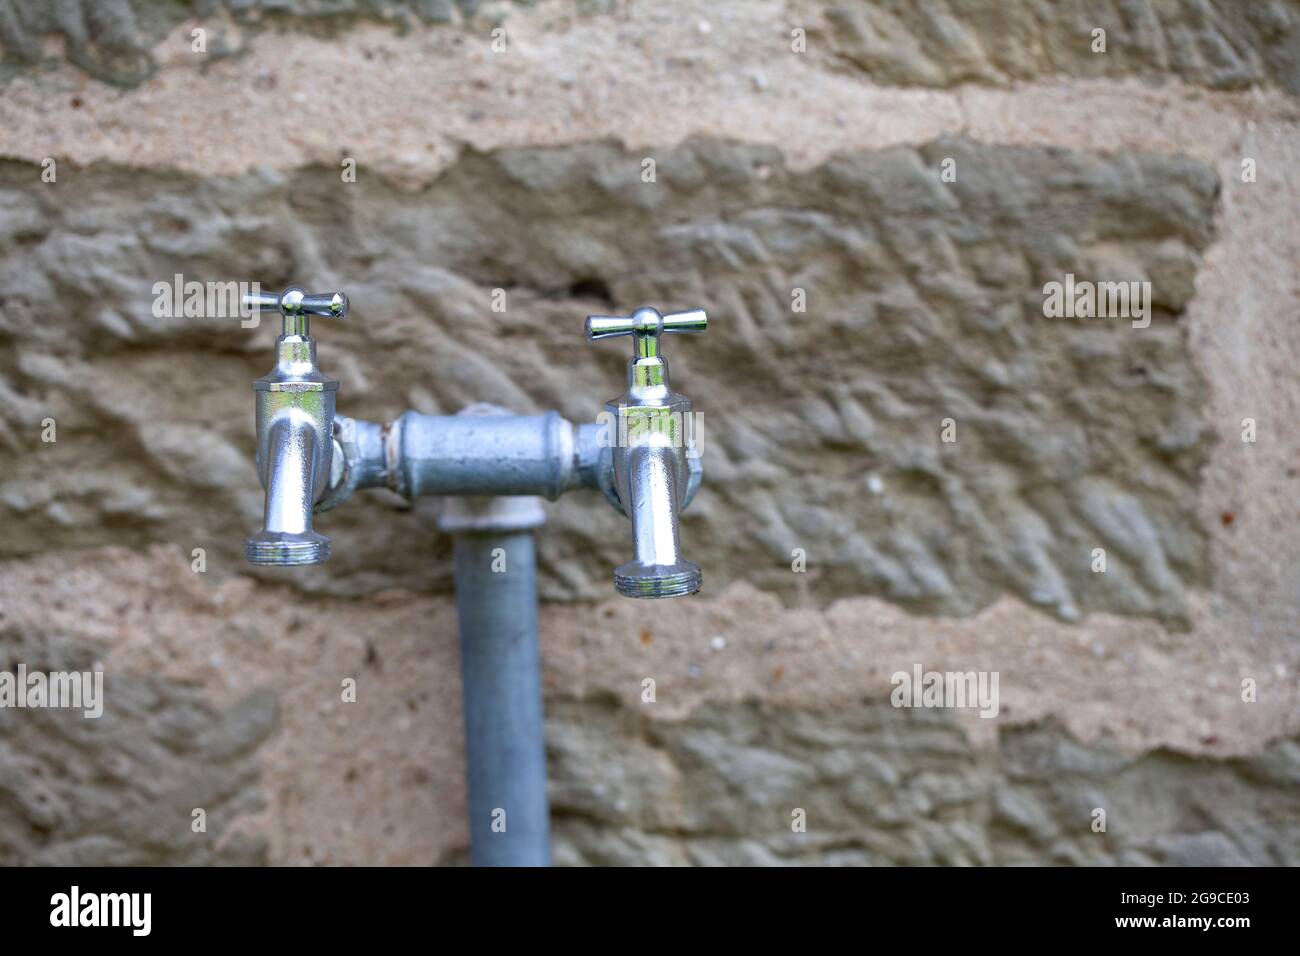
(482, 455)
(444, 455)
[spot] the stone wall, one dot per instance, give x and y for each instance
(1170, 158)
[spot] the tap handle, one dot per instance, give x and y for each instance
(296, 305)
(645, 325)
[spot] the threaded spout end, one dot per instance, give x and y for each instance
(637, 580)
(277, 549)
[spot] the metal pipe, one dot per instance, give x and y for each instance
(483, 455)
(505, 754)
(445, 455)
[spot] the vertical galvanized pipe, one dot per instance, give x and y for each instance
(505, 754)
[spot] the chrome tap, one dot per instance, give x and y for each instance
(295, 442)
(652, 441)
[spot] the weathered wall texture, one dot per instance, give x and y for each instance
(921, 308)
(775, 170)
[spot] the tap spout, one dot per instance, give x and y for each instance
(290, 465)
(654, 481)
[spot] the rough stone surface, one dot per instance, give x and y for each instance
(1228, 44)
(776, 170)
(880, 786)
(113, 40)
(120, 789)
(1223, 44)
(790, 711)
(1071, 434)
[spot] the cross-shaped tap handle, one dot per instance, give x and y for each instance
(296, 305)
(646, 325)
